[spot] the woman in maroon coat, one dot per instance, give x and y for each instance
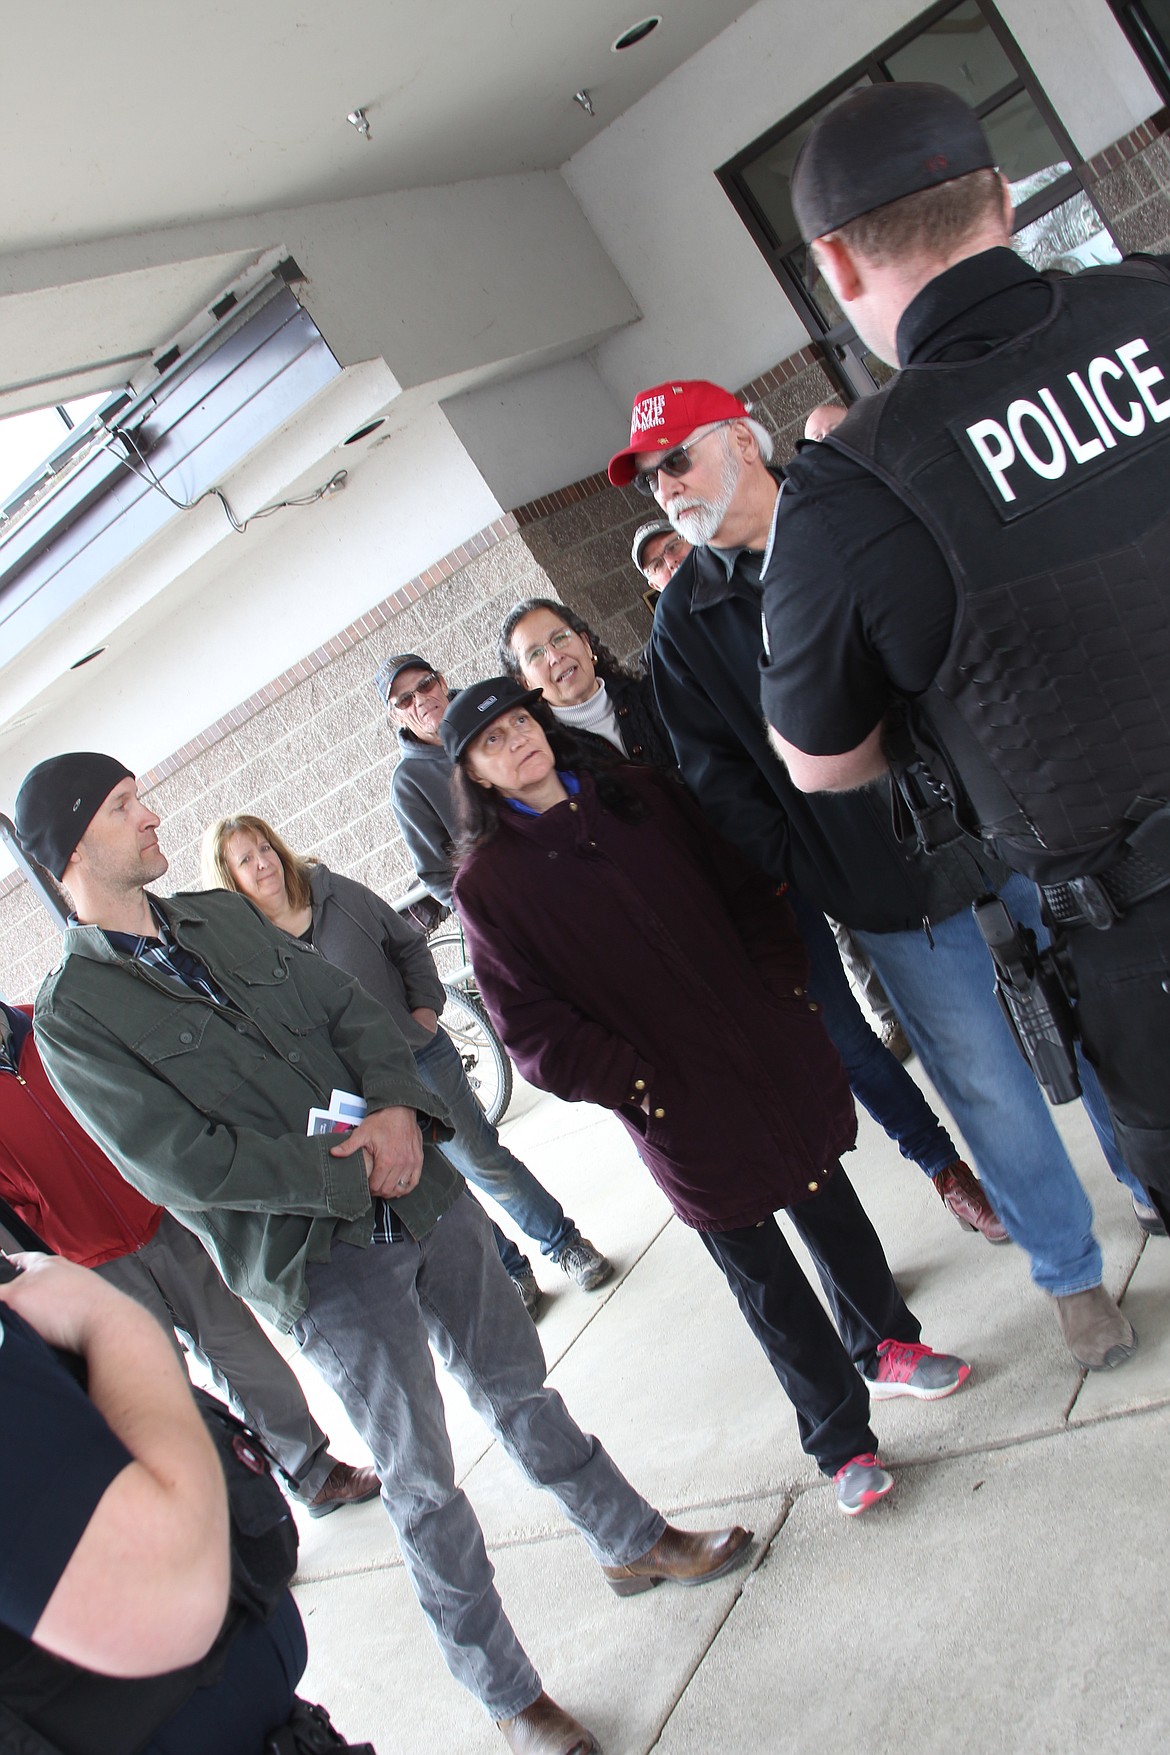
(630, 958)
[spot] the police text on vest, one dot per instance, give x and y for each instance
(1065, 426)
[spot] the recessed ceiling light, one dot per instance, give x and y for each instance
(88, 659)
(637, 33)
(371, 426)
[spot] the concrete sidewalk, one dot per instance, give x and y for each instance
(1011, 1595)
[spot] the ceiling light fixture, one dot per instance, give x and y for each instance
(371, 426)
(637, 33)
(586, 102)
(359, 120)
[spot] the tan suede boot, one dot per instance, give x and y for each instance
(1095, 1332)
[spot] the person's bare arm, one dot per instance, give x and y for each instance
(146, 1588)
(842, 773)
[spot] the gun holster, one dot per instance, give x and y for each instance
(1033, 997)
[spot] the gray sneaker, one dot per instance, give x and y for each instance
(524, 1281)
(860, 1484)
(584, 1264)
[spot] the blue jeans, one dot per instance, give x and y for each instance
(945, 996)
(1027, 912)
(477, 1153)
(877, 1078)
(371, 1314)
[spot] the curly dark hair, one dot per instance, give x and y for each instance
(606, 662)
(477, 808)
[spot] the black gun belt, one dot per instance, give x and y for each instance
(1099, 901)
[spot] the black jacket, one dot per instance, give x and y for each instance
(646, 738)
(837, 849)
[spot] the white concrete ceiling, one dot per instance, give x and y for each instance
(143, 113)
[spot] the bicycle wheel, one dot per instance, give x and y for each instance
(488, 1069)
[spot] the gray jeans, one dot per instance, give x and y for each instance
(371, 1314)
(176, 1280)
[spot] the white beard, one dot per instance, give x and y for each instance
(699, 520)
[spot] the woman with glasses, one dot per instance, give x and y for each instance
(353, 927)
(631, 958)
(549, 647)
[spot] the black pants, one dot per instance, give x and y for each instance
(1123, 1010)
(819, 1368)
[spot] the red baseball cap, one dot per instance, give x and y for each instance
(664, 416)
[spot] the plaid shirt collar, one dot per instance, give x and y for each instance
(164, 952)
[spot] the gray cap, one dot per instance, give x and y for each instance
(391, 669)
(881, 143)
(643, 534)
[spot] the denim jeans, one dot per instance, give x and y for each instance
(477, 1153)
(371, 1314)
(1026, 911)
(877, 1078)
(174, 1278)
(945, 996)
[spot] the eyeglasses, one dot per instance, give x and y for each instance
(554, 644)
(675, 463)
(664, 556)
(402, 703)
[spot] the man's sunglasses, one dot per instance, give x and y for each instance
(402, 703)
(674, 463)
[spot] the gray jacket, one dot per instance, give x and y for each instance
(203, 1107)
(420, 796)
(354, 928)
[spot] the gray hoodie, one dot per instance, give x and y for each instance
(357, 931)
(420, 796)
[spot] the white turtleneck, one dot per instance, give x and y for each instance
(596, 715)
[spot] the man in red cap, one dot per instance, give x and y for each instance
(696, 450)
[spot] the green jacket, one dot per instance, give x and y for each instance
(204, 1108)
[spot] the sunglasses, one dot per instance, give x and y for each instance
(675, 463)
(402, 703)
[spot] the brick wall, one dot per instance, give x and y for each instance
(1131, 182)
(312, 750)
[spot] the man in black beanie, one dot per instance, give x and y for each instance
(980, 552)
(193, 1038)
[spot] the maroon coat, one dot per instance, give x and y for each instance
(617, 959)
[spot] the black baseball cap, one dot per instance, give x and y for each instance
(881, 143)
(59, 799)
(473, 708)
(391, 669)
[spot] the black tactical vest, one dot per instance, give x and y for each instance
(1043, 471)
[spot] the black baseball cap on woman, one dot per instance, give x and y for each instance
(881, 143)
(473, 708)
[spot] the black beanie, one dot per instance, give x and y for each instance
(59, 799)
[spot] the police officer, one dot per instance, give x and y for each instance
(988, 539)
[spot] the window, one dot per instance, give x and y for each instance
(966, 47)
(30, 441)
(1147, 25)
